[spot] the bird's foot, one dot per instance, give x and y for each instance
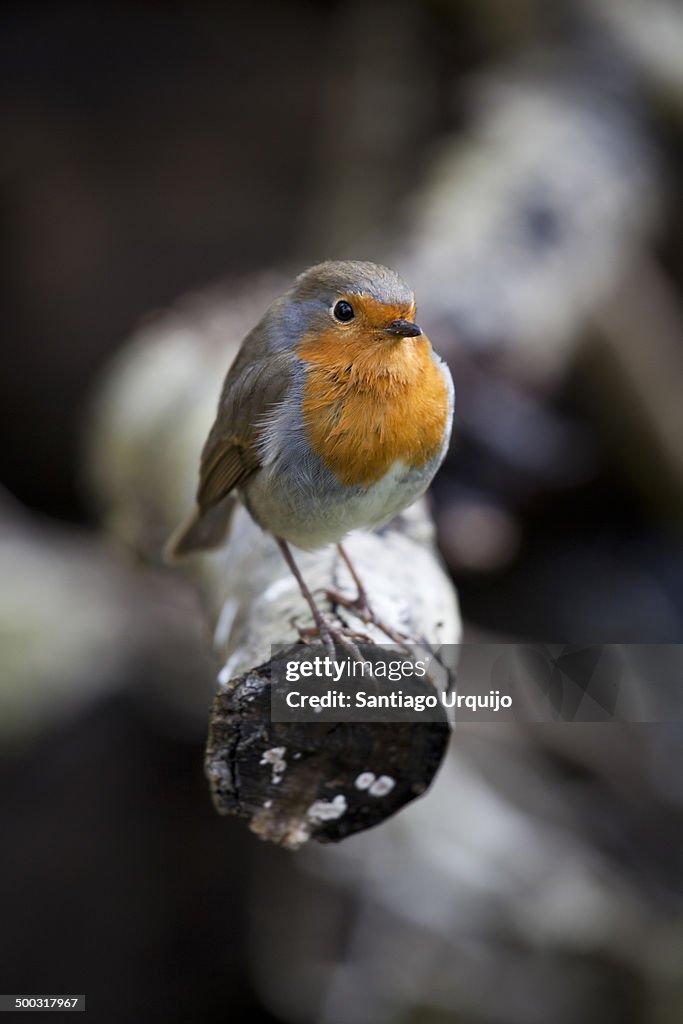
(331, 635)
(361, 607)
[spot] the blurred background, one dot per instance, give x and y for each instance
(519, 163)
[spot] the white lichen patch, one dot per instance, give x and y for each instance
(364, 780)
(275, 757)
(381, 786)
(327, 810)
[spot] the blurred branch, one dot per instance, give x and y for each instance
(76, 622)
(525, 224)
(637, 358)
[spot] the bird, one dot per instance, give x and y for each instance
(334, 416)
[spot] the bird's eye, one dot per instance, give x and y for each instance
(343, 311)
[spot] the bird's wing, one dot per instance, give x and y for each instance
(231, 454)
(227, 464)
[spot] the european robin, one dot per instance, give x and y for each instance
(334, 416)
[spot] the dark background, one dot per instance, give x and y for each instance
(152, 149)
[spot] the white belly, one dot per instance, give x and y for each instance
(313, 517)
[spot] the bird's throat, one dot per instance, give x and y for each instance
(370, 404)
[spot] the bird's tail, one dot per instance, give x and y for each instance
(201, 531)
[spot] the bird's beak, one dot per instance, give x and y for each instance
(403, 329)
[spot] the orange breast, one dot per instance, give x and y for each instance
(370, 402)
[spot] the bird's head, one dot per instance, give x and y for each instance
(346, 308)
(351, 301)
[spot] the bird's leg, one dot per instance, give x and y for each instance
(328, 633)
(361, 604)
(360, 601)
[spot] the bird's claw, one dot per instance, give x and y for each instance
(361, 607)
(330, 635)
